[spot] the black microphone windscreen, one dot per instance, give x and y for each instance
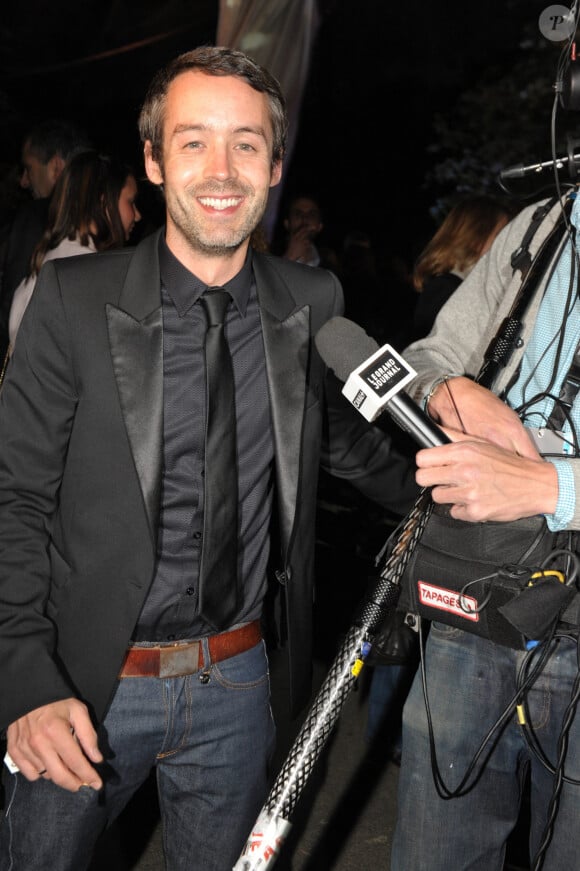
(344, 345)
(513, 172)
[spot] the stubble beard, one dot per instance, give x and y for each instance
(205, 237)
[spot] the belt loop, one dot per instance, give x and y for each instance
(206, 653)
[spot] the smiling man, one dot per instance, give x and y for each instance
(132, 593)
(217, 160)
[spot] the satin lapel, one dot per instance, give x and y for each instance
(286, 334)
(136, 342)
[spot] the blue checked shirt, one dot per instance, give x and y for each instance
(538, 364)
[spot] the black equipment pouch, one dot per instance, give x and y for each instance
(496, 580)
(395, 643)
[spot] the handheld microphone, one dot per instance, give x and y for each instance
(374, 379)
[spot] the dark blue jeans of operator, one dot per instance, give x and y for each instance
(469, 683)
(210, 743)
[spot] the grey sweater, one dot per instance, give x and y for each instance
(471, 317)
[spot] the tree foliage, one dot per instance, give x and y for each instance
(505, 119)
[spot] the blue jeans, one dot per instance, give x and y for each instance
(469, 683)
(211, 744)
(388, 691)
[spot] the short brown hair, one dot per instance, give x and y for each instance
(215, 61)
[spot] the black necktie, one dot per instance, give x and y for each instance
(218, 580)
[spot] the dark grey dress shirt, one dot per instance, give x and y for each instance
(170, 611)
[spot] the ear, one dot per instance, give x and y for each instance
(276, 174)
(56, 165)
(152, 167)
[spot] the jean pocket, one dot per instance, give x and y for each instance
(247, 669)
(444, 630)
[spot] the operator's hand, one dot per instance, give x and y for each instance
(463, 405)
(482, 481)
(56, 741)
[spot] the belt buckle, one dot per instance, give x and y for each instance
(180, 660)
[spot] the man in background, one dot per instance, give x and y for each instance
(303, 225)
(45, 150)
(494, 708)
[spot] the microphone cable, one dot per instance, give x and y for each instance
(526, 723)
(471, 776)
(559, 336)
(573, 441)
(525, 679)
(556, 770)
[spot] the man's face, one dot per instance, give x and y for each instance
(128, 211)
(216, 166)
(304, 213)
(39, 178)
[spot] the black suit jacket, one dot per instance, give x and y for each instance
(25, 232)
(80, 466)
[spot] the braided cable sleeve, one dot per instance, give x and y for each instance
(267, 838)
(347, 665)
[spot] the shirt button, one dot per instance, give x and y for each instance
(190, 591)
(197, 535)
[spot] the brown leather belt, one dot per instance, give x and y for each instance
(187, 657)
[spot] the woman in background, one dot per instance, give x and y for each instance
(92, 209)
(464, 236)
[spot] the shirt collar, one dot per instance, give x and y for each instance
(185, 288)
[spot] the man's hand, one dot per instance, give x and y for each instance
(56, 742)
(463, 405)
(300, 244)
(482, 481)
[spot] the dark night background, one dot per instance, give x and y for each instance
(380, 74)
(405, 105)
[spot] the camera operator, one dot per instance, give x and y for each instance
(457, 806)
